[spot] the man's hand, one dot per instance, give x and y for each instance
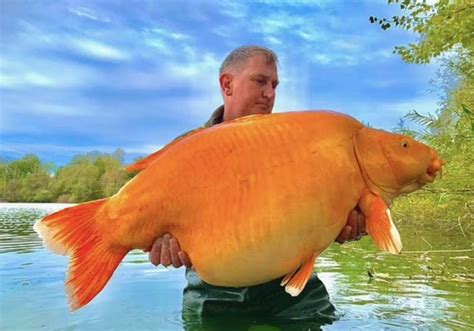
(354, 229)
(166, 251)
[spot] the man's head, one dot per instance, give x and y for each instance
(248, 78)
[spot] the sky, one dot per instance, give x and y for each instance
(78, 76)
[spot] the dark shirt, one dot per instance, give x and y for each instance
(269, 299)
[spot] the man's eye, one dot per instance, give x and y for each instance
(261, 81)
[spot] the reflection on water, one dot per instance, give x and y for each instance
(16, 232)
(370, 289)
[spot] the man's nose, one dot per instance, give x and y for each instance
(269, 92)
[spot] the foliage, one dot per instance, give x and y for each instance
(87, 177)
(442, 26)
(451, 197)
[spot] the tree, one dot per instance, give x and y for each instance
(442, 26)
(112, 180)
(87, 177)
(13, 174)
(112, 174)
(77, 182)
(35, 187)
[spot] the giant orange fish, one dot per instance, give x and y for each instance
(249, 200)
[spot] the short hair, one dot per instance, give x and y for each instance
(240, 55)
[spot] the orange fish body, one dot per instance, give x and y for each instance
(249, 200)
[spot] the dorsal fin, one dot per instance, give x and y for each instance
(144, 163)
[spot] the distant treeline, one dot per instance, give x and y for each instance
(87, 177)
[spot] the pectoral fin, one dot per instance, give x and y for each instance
(296, 281)
(379, 223)
(287, 277)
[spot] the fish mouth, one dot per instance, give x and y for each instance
(432, 171)
(427, 178)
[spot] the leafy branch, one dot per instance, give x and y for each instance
(431, 22)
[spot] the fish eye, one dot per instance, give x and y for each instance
(405, 144)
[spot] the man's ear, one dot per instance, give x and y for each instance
(225, 80)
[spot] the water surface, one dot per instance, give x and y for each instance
(429, 286)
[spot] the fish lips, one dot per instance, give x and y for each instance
(427, 178)
(431, 173)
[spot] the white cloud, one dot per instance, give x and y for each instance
(36, 37)
(273, 41)
(322, 58)
(424, 104)
(344, 53)
(277, 23)
(88, 13)
(48, 109)
(166, 33)
(234, 9)
(99, 50)
(144, 149)
(200, 108)
(384, 53)
(30, 71)
(206, 64)
(28, 79)
(159, 44)
(381, 83)
(193, 70)
(383, 114)
(296, 3)
(349, 45)
(335, 59)
(310, 34)
(166, 41)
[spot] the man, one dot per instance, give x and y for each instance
(248, 79)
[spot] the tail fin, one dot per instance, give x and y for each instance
(74, 232)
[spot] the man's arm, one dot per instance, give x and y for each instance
(166, 250)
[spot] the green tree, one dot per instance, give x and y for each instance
(112, 180)
(77, 182)
(88, 177)
(13, 175)
(35, 187)
(112, 174)
(28, 164)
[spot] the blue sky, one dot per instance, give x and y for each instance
(77, 76)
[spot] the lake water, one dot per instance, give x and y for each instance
(429, 286)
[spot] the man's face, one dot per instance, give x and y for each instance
(253, 88)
